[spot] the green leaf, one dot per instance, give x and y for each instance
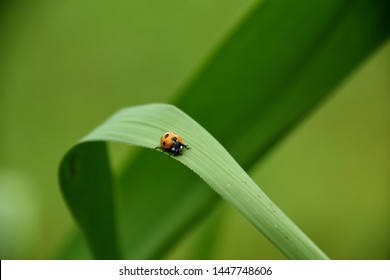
(87, 185)
(281, 62)
(143, 126)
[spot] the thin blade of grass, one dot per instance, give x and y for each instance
(87, 186)
(142, 125)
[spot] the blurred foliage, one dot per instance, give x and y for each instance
(66, 66)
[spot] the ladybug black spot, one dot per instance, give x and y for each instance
(174, 139)
(166, 136)
(164, 143)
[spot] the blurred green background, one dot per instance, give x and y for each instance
(68, 65)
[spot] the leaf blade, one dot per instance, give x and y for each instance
(88, 189)
(214, 165)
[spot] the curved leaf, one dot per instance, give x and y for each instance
(143, 126)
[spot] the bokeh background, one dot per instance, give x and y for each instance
(65, 66)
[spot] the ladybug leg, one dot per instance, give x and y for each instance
(166, 152)
(162, 150)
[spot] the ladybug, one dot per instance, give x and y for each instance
(172, 143)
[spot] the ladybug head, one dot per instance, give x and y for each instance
(176, 148)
